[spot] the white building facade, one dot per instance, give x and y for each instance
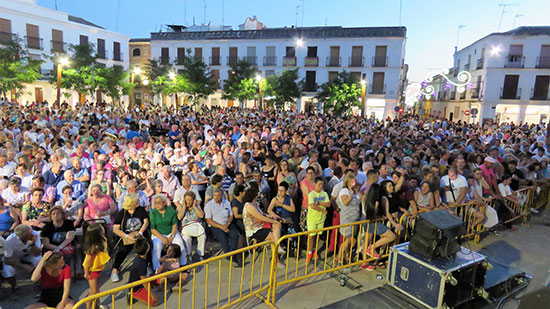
(320, 53)
(45, 33)
(510, 78)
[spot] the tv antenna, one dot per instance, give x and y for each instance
(504, 6)
(204, 13)
(515, 18)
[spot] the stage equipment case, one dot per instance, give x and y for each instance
(437, 283)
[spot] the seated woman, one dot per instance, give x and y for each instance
(390, 205)
(9, 219)
(58, 234)
(99, 206)
(34, 213)
(257, 225)
(164, 227)
(72, 207)
(282, 206)
(373, 211)
(55, 280)
(105, 184)
(424, 197)
(130, 223)
(190, 215)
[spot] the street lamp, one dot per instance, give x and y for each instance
(363, 92)
(259, 80)
(172, 75)
(62, 61)
(135, 71)
(495, 50)
(299, 42)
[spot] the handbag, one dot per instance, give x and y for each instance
(67, 250)
(131, 239)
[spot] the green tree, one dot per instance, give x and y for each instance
(80, 75)
(16, 68)
(340, 95)
(113, 81)
(241, 85)
(282, 89)
(157, 74)
(199, 78)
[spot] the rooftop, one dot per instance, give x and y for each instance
(83, 21)
(284, 33)
(520, 31)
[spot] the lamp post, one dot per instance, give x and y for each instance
(172, 76)
(363, 92)
(63, 61)
(259, 80)
(135, 71)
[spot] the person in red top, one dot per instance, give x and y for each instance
(55, 281)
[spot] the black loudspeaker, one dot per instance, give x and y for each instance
(436, 234)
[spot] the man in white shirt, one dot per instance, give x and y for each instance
(23, 251)
(455, 186)
(7, 168)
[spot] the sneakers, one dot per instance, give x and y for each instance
(281, 250)
(534, 211)
(115, 277)
(310, 256)
(368, 267)
(372, 253)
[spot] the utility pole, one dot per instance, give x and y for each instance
(504, 6)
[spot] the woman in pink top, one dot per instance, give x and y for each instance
(307, 186)
(99, 205)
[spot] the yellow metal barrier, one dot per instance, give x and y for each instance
(240, 284)
(295, 267)
(298, 268)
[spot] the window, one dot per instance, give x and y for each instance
(251, 54)
(198, 53)
(310, 85)
(290, 51)
(540, 92)
(269, 73)
(136, 52)
(5, 30)
(215, 59)
(356, 56)
(57, 41)
(377, 83)
(117, 55)
(332, 75)
(164, 55)
(101, 49)
(270, 58)
(83, 40)
(233, 54)
(32, 39)
(510, 87)
(380, 56)
(181, 55)
(216, 78)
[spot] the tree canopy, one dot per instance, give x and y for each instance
(16, 68)
(338, 96)
(240, 84)
(282, 89)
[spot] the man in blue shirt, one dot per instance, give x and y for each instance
(79, 191)
(174, 135)
(236, 135)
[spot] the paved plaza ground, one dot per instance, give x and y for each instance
(527, 248)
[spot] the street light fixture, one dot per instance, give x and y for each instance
(61, 62)
(495, 51)
(135, 71)
(172, 75)
(299, 42)
(259, 80)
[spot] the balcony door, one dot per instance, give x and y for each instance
(215, 56)
(57, 41)
(380, 55)
(544, 60)
(334, 56)
(541, 87)
(357, 56)
(270, 58)
(510, 89)
(33, 39)
(101, 53)
(251, 54)
(233, 54)
(377, 83)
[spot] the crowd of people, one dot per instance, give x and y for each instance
(150, 181)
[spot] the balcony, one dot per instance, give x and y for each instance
(118, 56)
(333, 61)
(377, 89)
(251, 59)
(270, 61)
(102, 54)
(515, 61)
(232, 60)
(215, 60)
(467, 67)
(34, 42)
(289, 61)
(540, 95)
(475, 93)
(7, 37)
(58, 46)
(356, 62)
(462, 95)
(310, 87)
(379, 62)
(311, 61)
(480, 62)
(164, 60)
(510, 94)
(453, 96)
(543, 62)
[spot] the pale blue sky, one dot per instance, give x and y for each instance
(431, 24)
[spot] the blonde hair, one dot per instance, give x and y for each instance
(347, 179)
(130, 201)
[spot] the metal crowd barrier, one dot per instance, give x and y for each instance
(232, 285)
(294, 266)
